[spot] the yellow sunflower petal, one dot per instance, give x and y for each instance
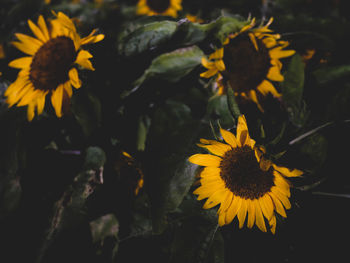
(278, 205)
(83, 59)
(215, 199)
(251, 213)
(29, 97)
(206, 191)
(219, 64)
(266, 87)
(56, 100)
(233, 209)
(210, 171)
(74, 78)
(21, 63)
(211, 180)
(275, 74)
(205, 160)
(43, 27)
(269, 42)
(281, 196)
(41, 102)
(218, 54)
(207, 64)
(209, 73)
(259, 216)
(66, 21)
(92, 38)
(222, 216)
(282, 183)
(19, 83)
(28, 40)
(227, 201)
(13, 98)
(242, 131)
(279, 53)
(30, 111)
(217, 149)
(254, 98)
(229, 138)
(37, 31)
(287, 172)
(68, 89)
(242, 212)
(25, 47)
(272, 224)
(266, 206)
(253, 40)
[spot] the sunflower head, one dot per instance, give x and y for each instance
(158, 7)
(49, 67)
(248, 61)
(245, 184)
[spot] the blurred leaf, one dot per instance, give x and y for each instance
(150, 35)
(328, 74)
(3, 104)
(10, 195)
(292, 90)
(104, 231)
(339, 106)
(180, 184)
(314, 148)
(190, 33)
(223, 27)
(87, 110)
(103, 227)
(144, 124)
(293, 84)
(68, 211)
(174, 65)
(171, 135)
(193, 242)
(146, 37)
(232, 104)
(218, 109)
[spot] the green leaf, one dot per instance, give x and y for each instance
(87, 110)
(190, 33)
(169, 143)
(328, 74)
(314, 148)
(232, 104)
(292, 90)
(224, 26)
(142, 130)
(147, 37)
(218, 109)
(339, 106)
(174, 65)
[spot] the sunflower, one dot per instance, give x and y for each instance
(248, 62)
(158, 7)
(242, 181)
(49, 68)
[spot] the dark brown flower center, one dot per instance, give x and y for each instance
(158, 6)
(51, 63)
(246, 67)
(242, 174)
